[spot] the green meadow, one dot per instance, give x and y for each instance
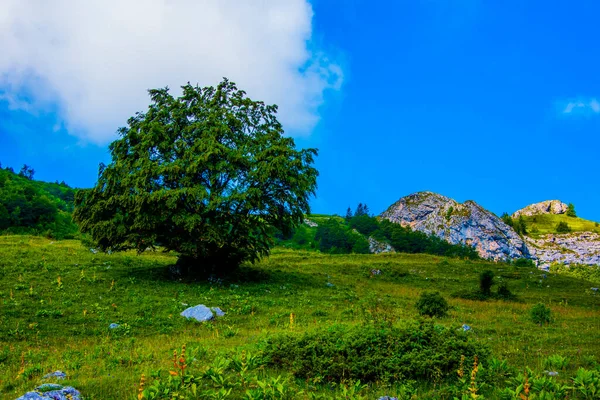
(58, 298)
(546, 223)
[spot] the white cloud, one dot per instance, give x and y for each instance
(95, 59)
(582, 106)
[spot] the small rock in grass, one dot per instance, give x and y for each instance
(55, 374)
(202, 313)
(113, 326)
(466, 327)
(329, 284)
(551, 373)
(218, 312)
(595, 289)
(387, 398)
(50, 391)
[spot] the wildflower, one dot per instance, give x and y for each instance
(141, 388)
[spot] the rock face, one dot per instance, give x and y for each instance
(545, 207)
(467, 223)
(377, 247)
(570, 248)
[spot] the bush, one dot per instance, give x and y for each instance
(523, 262)
(563, 227)
(540, 314)
(504, 292)
(373, 353)
(432, 304)
(486, 280)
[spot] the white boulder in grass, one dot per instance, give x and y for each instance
(202, 313)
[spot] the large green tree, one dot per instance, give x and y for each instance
(208, 175)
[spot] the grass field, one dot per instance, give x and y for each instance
(57, 299)
(546, 223)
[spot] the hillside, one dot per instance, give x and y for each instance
(30, 206)
(58, 299)
(546, 223)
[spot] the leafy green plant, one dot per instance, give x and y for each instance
(587, 383)
(556, 362)
(540, 314)
(563, 227)
(524, 263)
(432, 304)
(373, 353)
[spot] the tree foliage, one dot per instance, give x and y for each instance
(571, 210)
(336, 238)
(486, 280)
(33, 207)
(208, 175)
(563, 227)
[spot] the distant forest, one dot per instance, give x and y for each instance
(337, 235)
(33, 207)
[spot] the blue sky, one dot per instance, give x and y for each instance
(498, 102)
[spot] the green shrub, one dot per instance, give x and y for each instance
(523, 262)
(373, 353)
(556, 362)
(540, 314)
(486, 280)
(504, 292)
(563, 227)
(432, 304)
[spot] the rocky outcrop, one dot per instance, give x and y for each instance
(545, 207)
(570, 248)
(377, 247)
(467, 223)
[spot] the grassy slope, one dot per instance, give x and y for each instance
(98, 289)
(546, 223)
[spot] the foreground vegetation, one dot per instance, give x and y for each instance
(59, 298)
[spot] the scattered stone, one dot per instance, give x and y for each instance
(113, 326)
(595, 289)
(94, 251)
(202, 313)
(310, 223)
(375, 272)
(551, 373)
(544, 276)
(329, 284)
(56, 375)
(49, 391)
(387, 398)
(466, 327)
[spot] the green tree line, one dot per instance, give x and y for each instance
(34, 207)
